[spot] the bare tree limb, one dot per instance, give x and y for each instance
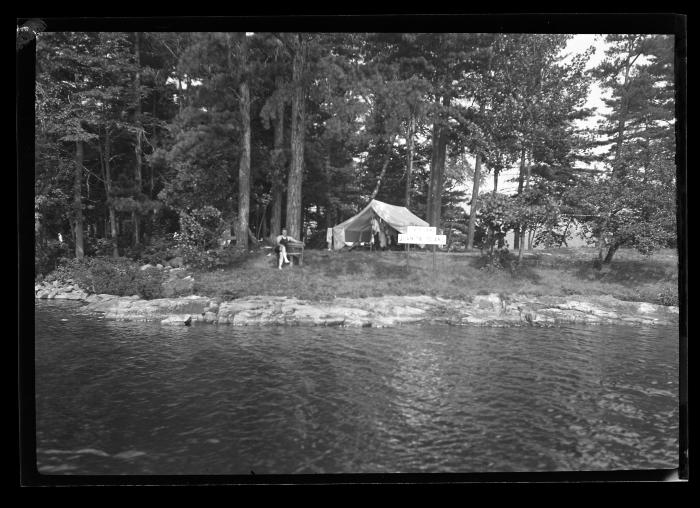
(284, 42)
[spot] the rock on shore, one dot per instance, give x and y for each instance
(481, 310)
(51, 290)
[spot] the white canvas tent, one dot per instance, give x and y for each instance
(359, 227)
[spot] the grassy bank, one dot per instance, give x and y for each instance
(559, 272)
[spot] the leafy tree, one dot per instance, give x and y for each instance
(497, 214)
(634, 204)
(272, 115)
(299, 46)
(86, 101)
(199, 162)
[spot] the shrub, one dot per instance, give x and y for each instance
(194, 257)
(159, 250)
(199, 233)
(497, 214)
(47, 257)
(499, 259)
(103, 246)
(119, 276)
(134, 252)
(668, 296)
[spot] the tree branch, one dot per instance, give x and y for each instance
(168, 48)
(387, 159)
(289, 47)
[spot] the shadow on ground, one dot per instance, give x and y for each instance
(627, 273)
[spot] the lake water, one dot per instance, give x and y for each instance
(141, 398)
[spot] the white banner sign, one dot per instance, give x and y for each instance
(423, 239)
(421, 230)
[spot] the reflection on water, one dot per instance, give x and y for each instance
(138, 398)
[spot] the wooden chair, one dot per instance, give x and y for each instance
(296, 251)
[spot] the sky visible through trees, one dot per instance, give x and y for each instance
(578, 44)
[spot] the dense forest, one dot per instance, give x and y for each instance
(153, 141)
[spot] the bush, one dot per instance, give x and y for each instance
(135, 253)
(497, 214)
(159, 250)
(120, 277)
(500, 259)
(47, 257)
(212, 259)
(199, 233)
(103, 246)
(668, 296)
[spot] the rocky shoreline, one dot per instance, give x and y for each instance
(388, 311)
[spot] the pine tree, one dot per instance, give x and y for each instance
(634, 204)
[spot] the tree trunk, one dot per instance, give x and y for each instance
(523, 227)
(135, 225)
(152, 172)
(521, 247)
(244, 164)
(437, 170)
(39, 232)
(262, 224)
(296, 168)
(410, 134)
(251, 237)
(600, 245)
(77, 200)
(611, 252)
(382, 173)
(135, 215)
(327, 166)
(566, 230)
(622, 119)
(328, 216)
(108, 191)
(138, 173)
(442, 153)
(431, 182)
(624, 106)
(276, 213)
(449, 237)
(528, 170)
(475, 203)
(495, 181)
(387, 157)
(521, 176)
(279, 165)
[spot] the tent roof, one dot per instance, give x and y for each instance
(398, 217)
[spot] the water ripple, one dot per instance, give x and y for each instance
(139, 398)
